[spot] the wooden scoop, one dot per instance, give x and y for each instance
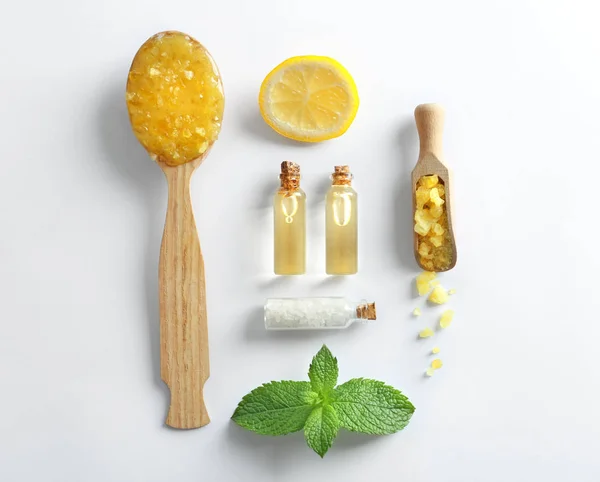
(430, 124)
(175, 101)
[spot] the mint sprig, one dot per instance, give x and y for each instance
(321, 409)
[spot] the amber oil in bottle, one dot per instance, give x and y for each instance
(289, 213)
(341, 224)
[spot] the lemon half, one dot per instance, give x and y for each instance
(309, 99)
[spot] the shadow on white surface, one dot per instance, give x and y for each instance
(254, 331)
(285, 450)
(320, 191)
(130, 164)
(408, 146)
(245, 439)
(335, 281)
(348, 441)
(273, 281)
(266, 193)
(254, 124)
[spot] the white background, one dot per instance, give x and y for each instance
(83, 208)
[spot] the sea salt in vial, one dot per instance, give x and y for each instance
(315, 313)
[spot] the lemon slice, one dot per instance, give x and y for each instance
(309, 99)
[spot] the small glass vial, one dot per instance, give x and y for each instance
(315, 313)
(341, 224)
(289, 212)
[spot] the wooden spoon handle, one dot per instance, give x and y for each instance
(430, 125)
(183, 326)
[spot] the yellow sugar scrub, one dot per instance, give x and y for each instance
(437, 364)
(435, 350)
(426, 333)
(175, 98)
(431, 224)
(416, 312)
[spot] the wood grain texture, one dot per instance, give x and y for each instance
(184, 361)
(430, 125)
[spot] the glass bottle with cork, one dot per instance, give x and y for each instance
(289, 213)
(341, 224)
(316, 313)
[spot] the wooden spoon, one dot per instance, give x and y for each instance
(178, 128)
(430, 124)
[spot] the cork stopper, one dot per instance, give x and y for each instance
(341, 176)
(290, 176)
(366, 311)
(290, 168)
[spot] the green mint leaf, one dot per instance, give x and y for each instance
(276, 408)
(321, 429)
(323, 371)
(372, 407)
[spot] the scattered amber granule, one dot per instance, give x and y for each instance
(431, 224)
(426, 333)
(439, 295)
(175, 98)
(436, 364)
(446, 318)
(417, 312)
(424, 281)
(451, 291)
(429, 372)
(435, 350)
